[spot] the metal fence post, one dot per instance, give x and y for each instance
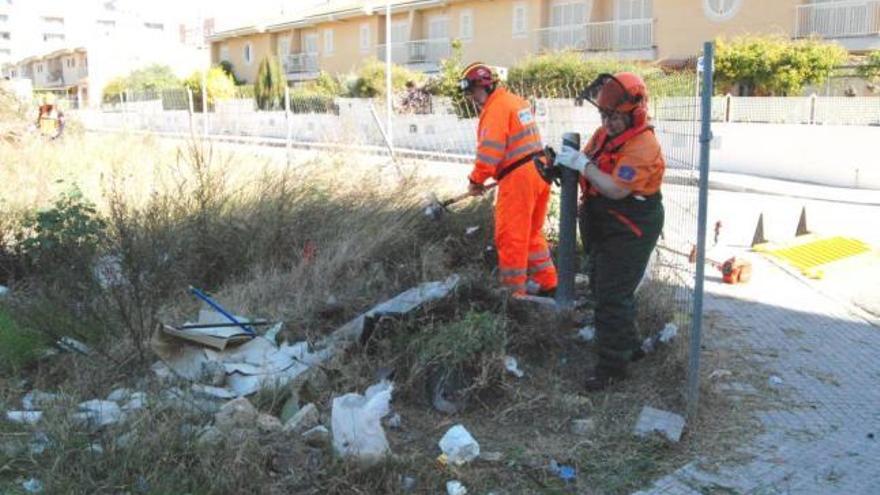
(189, 101)
(567, 251)
(288, 121)
(205, 103)
(693, 385)
(812, 108)
(728, 100)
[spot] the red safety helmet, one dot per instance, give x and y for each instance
(623, 92)
(476, 75)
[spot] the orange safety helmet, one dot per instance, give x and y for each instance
(477, 74)
(623, 92)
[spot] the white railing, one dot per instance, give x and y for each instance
(608, 36)
(297, 63)
(838, 19)
(430, 51)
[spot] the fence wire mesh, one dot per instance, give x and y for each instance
(444, 129)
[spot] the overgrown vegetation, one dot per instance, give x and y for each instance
(774, 65)
(220, 86)
(154, 78)
(370, 79)
(270, 87)
(566, 74)
(870, 67)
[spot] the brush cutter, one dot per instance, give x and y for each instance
(436, 208)
(733, 270)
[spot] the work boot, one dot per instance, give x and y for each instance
(547, 293)
(601, 378)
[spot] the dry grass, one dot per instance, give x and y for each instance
(311, 245)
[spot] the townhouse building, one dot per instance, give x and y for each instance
(340, 35)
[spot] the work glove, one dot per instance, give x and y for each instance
(572, 158)
(476, 189)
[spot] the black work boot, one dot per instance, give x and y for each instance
(547, 293)
(601, 378)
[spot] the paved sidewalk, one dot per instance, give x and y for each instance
(826, 440)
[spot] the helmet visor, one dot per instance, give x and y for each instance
(607, 94)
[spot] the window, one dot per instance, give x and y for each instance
(39, 68)
(224, 53)
(157, 26)
(5, 35)
(399, 32)
(569, 13)
(328, 41)
(438, 28)
(53, 36)
(248, 53)
(466, 25)
(634, 9)
(519, 20)
(70, 63)
(365, 38)
(284, 46)
(721, 10)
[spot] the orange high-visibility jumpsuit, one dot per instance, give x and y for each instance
(507, 142)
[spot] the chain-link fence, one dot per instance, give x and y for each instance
(444, 129)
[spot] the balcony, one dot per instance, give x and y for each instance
(608, 36)
(855, 23)
(425, 54)
(300, 64)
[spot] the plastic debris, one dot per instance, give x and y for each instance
(356, 423)
(775, 381)
(24, 417)
(408, 484)
(587, 334)
(720, 375)
(454, 487)
(39, 443)
(459, 446)
(565, 472)
(119, 395)
(72, 345)
(471, 230)
(512, 366)
(3, 290)
(304, 419)
(393, 421)
(32, 485)
(669, 332)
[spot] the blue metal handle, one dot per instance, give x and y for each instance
(204, 297)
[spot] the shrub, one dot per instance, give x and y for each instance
(269, 88)
(565, 74)
(220, 87)
(370, 80)
(774, 65)
(152, 78)
(870, 68)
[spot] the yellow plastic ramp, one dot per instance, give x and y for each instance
(809, 256)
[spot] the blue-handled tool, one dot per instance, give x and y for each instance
(204, 297)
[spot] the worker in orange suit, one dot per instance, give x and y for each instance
(508, 143)
(621, 216)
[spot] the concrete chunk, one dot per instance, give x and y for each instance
(652, 420)
(306, 418)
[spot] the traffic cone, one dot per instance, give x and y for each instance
(802, 223)
(758, 238)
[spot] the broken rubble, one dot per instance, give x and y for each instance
(236, 413)
(666, 423)
(98, 413)
(583, 426)
(720, 375)
(212, 393)
(393, 421)
(290, 408)
(454, 487)
(70, 344)
(33, 485)
(24, 417)
(3, 290)
(37, 400)
(136, 402)
(119, 395)
(306, 418)
(459, 446)
(318, 436)
(267, 423)
(492, 456)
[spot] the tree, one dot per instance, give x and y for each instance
(870, 68)
(153, 78)
(370, 81)
(270, 85)
(774, 65)
(220, 86)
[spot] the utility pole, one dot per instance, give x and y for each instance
(389, 105)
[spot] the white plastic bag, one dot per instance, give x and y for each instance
(459, 446)
(356, 421)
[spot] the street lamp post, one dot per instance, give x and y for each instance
(389, 106)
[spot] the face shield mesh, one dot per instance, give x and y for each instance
(606, 93)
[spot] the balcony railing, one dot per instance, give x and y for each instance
(418, 52)
(299, 63)
(839, 19)
(609, 36)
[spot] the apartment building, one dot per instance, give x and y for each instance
(339, 36)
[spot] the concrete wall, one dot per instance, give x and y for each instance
(840, 156)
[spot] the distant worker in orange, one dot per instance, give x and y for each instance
(621, 215)
(508, 142)
(50, 120)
